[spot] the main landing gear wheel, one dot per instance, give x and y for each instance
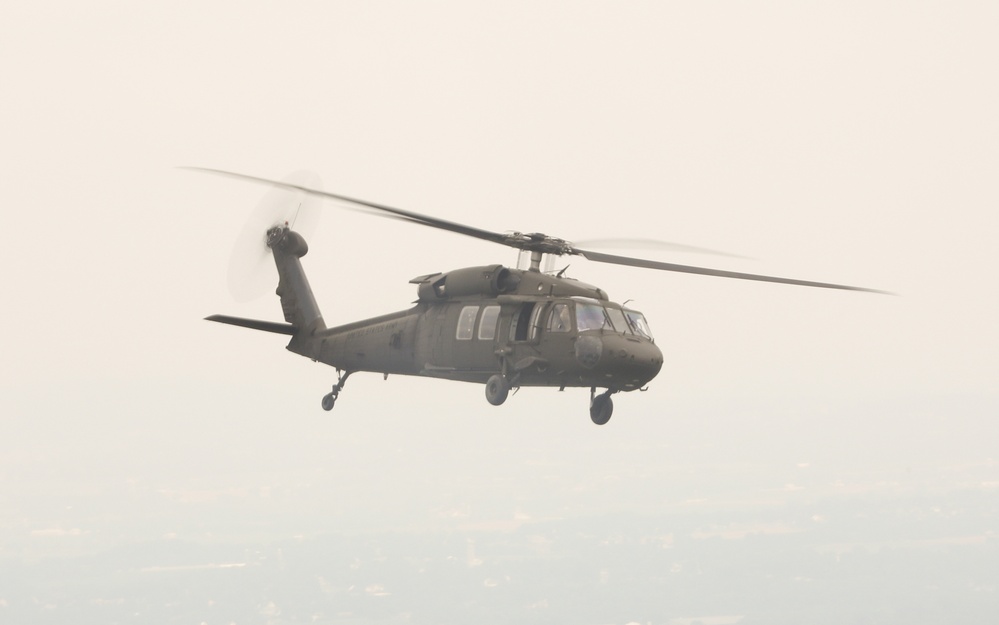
(497, 390)
(601, 408)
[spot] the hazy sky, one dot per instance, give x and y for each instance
(851, 142)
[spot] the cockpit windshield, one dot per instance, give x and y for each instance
(591, 317)
(617, 318)
(638, 323)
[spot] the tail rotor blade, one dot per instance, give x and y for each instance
(251, 270)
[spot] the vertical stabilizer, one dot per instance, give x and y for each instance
(297, 302)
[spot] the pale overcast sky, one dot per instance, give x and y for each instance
(850, 142)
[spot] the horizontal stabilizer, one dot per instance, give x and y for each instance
(255, 324)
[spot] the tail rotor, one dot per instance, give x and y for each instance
(251, 269)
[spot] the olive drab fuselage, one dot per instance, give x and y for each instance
(504, 328)
(472, 323)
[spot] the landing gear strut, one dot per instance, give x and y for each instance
(601, 406)
(329, 399)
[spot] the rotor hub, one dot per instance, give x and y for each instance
(287, 240)
(540, 243)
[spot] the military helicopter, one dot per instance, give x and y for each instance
(498, 326)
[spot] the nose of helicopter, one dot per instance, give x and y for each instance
(624, 362)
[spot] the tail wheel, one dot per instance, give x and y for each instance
(328, 401)
(497, 390)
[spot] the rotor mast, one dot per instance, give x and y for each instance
(538, 244)
(536, 256)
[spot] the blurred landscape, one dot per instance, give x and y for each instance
(601, 527)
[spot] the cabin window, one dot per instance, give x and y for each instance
(617, 318)
(487, 325)
(591, 317)
(466, 323)
(560, 320)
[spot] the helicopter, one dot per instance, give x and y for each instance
(499, 326)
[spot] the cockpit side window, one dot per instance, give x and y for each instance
(560, 320)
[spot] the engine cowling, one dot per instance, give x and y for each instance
(488, 281)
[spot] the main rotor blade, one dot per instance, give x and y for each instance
(378, 209)
(704, 271)
(534, 242)
(652, 244)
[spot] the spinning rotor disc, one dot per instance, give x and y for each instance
(251, 270)
(536, 243)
